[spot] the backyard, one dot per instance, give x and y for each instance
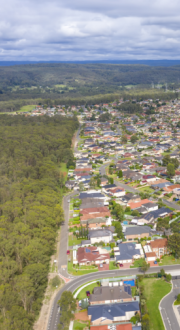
(155, 290)
(80, 325)
(146, 189)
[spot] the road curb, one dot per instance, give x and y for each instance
(161, 302)
(176, 313)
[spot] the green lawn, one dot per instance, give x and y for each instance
(27, 108)
(155, 290)
(169, 260)
(137, 263)
(77, 272)
(64, 170)
(146, 189)
(73, 240)
(82, 293)
(80, 325)
(133, 291)
(111, 265)
(71, 207)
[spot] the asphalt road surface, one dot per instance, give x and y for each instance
(166, 307)
(171, 204)
(102, 171)
(79, 280)
(63, 247)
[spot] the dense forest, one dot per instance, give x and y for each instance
(31, 152)
(60, 80)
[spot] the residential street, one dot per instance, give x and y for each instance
(102, 171)
(171, 204)
(62, 256)
(166, 307)
(78, 281)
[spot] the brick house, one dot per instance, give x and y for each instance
(90, 256)
(159, 246)
(108, 294)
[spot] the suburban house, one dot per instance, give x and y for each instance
(126, 253)
(116, 192)
(70, 184)
(90, 256)
(136, 205)
(91, 202)
(90, 194)
(133, 232)
(96, 236)
(109, 313)
(159, 246)
(97, 223)
(149, 254)
(108, 295)
(153, 215)
(95, 210)
(86, 217)
(130, 198)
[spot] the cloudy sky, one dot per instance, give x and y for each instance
(89, 29)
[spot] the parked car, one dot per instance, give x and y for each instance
(155, 262)
(121, 265)
(68, 252)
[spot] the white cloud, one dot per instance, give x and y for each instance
(83, 30)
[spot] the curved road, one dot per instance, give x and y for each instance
(75, 282)
(166, 307)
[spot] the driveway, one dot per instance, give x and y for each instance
(167, 312)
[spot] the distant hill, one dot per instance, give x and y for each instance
(25, 80)
(164, 63)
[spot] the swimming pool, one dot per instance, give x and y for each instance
(130, 282)
(108, 248)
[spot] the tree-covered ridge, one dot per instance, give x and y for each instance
(63, 80)
(31, 187)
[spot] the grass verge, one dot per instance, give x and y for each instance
(76, 272)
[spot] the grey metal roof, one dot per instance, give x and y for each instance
(99, 233)
(137, 230)
(156, 214)
(127, 251)
(88, 195)
(110, 293)
(110, 311)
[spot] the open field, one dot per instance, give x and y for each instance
(155, 290)
(27, 108)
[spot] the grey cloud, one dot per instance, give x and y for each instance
(96, 29)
